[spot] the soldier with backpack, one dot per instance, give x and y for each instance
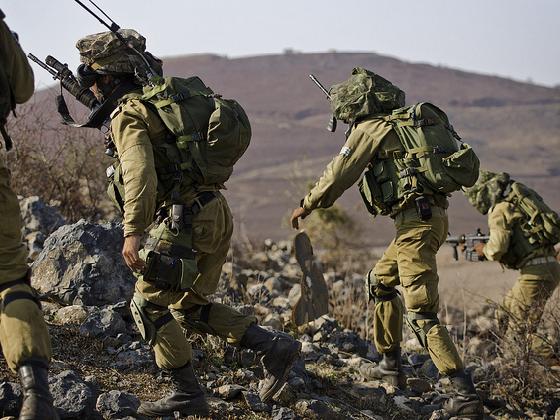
(413, 161)
(23, 332)
(176, 143)
(523, 232)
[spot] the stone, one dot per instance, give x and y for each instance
(273, 320)
(73, 314)
(439, 415)
(254, 402)
(35, 241)
(229, 391)
(10, 398)
(117, 404)
(429, 369)
(418, 385)
(134, 355)
(81, 264)
(103, 323)
(401, 402)
(73, 397)
(316, 409)
(39, 217)
(283, 413)
(557, 414)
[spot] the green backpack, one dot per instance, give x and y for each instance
(211, 133)
(541, 224)
(433, 154)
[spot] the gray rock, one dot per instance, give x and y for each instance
(103, 323)
(133, 355)
(316, 409)
(429, 370)
(283, 413)
(39, 217)
(439, 415)
(117, 404)
(82, 264)
(254, 402)
(73, 314)
(557, 415)
(418, 385)
(229, 391)
(73, 397)
(35, 241)
(10, 399)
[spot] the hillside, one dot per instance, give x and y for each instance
(513, 126)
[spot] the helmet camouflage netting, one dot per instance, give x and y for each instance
(488, 190)
(106, 54)
(363, 94)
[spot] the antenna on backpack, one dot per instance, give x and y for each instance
(114, 27)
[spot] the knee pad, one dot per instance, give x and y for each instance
(148, 328)
(421, 329)
(377, 291)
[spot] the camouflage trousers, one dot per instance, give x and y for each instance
(23, 332)
(523, 306)
(191, 311)
(410, 261)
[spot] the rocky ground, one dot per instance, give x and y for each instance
(101, 368)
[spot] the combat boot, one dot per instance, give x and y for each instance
(466, 402)
(186, 396)
(278, 353)
(37, 399)
(388, 370)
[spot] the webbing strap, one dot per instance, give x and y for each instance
(162, 320)
(205, 313)
(423, 316)
(19, 295)
(7, 285)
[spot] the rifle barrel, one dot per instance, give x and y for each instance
(43, 65)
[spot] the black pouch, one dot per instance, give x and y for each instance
(423, 208)
(167, 272)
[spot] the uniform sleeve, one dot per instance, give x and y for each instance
(343, 171)
(500, 232)
(130, 135)
(16, 66)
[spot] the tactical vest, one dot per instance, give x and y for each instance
(427, 161)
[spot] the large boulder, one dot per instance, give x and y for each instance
(72, 396)
(39, 221)
(81, 264)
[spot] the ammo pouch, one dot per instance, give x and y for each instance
(170, 272)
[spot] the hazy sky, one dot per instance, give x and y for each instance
(514, 38)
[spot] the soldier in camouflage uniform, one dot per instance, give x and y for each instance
(512, 244)
(141, 141)
(410, 259)
(23, 333)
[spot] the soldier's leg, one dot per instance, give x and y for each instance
(417, 243)
(388, 310)
(524, 304)
(23, 333)
(212, 234)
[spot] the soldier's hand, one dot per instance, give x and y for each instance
(130, 253)
(479, 248)
(296, 214)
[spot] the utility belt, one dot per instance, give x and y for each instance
(169, 251)
(540, 260)
(423, 207)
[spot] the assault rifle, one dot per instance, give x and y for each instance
(467, 243)
(332, 123)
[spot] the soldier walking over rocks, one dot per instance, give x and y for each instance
(523, 232)
(176, 143)
(23, 333)
(413, 161)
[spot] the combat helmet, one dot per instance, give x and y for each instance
(104, 53)
(489, 190)
(364, 93)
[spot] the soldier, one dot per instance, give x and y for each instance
(146, 150)
(523, 232)
(23, 332)
(366, 102)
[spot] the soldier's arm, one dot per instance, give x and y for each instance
(500, 232)
(344, 170)
(131, 137)
(16, 66)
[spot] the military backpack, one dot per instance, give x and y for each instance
(432, 160)
(211, 133)
(540, 225)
